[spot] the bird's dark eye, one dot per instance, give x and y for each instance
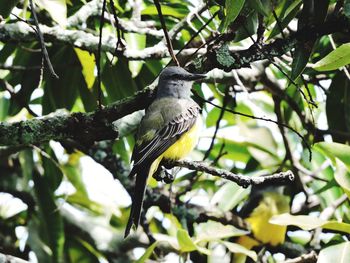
(175, 76)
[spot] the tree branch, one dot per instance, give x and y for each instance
(241, 180)
(20, 31)
(83, 127)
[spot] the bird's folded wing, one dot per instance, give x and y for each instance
(147, 152)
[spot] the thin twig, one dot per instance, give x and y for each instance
(162, 21)
(217, 126)
(98, 56)
(197, 33)
(241, 180)
(258, 118)
(116, 20)
(42, 42)
(306, 258)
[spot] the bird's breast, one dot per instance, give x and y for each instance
(185, 144)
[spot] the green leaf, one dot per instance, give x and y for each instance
(347, 8)
(261, 6)
(229, 195)
(289, 11)
(72, 171)
(338, 105)
(236, 151)
(335, 150)
(80, 199)
(213, 231)
(135, 42)
(81, 251)
(338, 253)
(249, 28)
(56, 8)
(51, 220)
(147, 253)
(233, 8)
(6, 7)
(336, 59)
(87, 61)
(166, 11)
(309, 222)
(311, 14)
(4, 107)
(342, 177)
(118, 81)
(52, 172)
(185, 242)
(301, 56)
(62, 92)
(236, 248)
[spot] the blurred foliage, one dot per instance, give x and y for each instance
(58, 205)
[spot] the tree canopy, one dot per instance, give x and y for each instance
(270, 178)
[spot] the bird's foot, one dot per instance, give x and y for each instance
(162, 175)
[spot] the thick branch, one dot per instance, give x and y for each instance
(217, 57)
(306, 258)
(83, 127)
(242, 180)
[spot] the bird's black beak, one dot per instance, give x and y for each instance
(193, 76)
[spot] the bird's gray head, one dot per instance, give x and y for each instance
(176, 82)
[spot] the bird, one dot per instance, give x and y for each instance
(169, 130)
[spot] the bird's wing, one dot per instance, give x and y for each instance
(149, 150)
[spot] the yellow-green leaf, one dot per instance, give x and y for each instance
(335, 150)
(185, 241)
(135, 42)
(236, 248)
(147, 253)
(339, 253)
(87, 61)
(336, 59)
(309, 222)
(342, 177)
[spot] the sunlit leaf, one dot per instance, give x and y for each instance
(136, 42)
(338, 58)
(211, 231)
(309, 222)
(185, 241)
(147, 253)
(342, 176)
(336, 150)
(229, 195)
(87, 61)
(236, 248)
(166, 11)
(338, 253)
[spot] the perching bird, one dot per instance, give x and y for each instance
(169, 130)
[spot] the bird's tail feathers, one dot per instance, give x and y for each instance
(137, 199)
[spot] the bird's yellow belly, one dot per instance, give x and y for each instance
(182, 147)
(185, 144)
